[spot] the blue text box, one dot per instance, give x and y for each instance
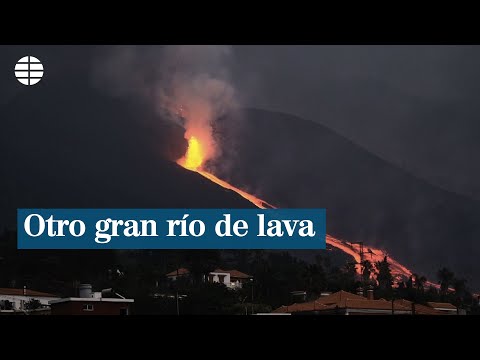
(73, 238)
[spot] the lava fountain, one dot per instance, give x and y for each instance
(195, 158)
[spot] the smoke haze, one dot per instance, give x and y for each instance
(186, 84)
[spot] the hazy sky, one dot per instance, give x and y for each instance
(416, 106)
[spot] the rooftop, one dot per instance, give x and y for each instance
(28, 292)
(440, 305)
(345, 300)
(91, 300)
(179, 272)
(233, 273)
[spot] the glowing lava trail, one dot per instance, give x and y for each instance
(194, 159)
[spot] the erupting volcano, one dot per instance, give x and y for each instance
(195, 158)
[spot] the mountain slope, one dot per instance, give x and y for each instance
(87, 150)
(292, 162)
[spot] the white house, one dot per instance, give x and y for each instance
(16, 298)
(232, 279)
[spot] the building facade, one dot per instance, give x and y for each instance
(92, 303)
(232, 279)
(345, 303)
(17, 300)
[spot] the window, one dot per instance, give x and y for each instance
(87, 307)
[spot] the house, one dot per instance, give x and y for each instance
(445, 308)
(175, 274)
(232, 279)
(419, 309)
(345, 303)
(17, 300)
(92, 303)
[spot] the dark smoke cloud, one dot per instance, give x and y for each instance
(189, 85)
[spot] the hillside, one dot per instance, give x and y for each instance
(292, 162)
(51, 156)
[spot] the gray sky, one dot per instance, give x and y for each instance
(417, 106)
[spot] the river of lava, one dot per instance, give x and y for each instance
(193, 161)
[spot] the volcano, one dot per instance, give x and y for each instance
(292, 162)
(90, 150)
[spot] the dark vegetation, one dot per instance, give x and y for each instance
(141, 275)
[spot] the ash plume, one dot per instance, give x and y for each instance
(187, 85)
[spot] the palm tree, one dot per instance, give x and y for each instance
(446, 278)
(367, 269)
(384, 274)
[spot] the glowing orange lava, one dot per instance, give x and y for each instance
(193, 160)
(399, 272)
(195, 155)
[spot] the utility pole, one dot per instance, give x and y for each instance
(176, 280)
(178, 307)
(252, 294)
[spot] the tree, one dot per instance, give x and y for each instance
(6, 305)
(409, 284)
(32, 304)
(384, 277)
(445, 276)
(460, 286)
(351, 269)
(367, 269)
(420, 282)
(201, 263)
(315, 279)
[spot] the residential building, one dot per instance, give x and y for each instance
(232, 279)
(175, 274)
(445, 308)
(16, 300)
(345, 303)
(92, 303)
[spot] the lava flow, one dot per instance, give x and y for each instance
(193, 161)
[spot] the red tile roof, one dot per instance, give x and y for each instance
(440, 305)
(425, 310)
(307, 306)
(345, 303)
(323, 303)
(234, 273)
(28, 292)
(179, 272)
(339, 298)
(374, 305)
(419, 308)
(347, 300)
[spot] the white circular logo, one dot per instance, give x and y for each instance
(29, 70)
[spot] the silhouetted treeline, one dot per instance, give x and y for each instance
(277, 275)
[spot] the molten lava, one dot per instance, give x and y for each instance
(194, 159)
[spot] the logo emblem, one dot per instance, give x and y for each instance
(29, 70)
